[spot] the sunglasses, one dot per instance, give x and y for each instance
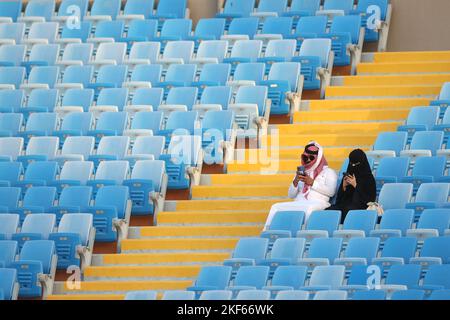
(308, 158)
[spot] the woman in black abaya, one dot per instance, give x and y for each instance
(358, 186)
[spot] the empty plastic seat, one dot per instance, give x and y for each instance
(142, 53)
(76, 100)
(37, 258)
(145, 124)
(322, 251)
(109, 173)
(76, 149)
(137, 10)
(11, 77)
(178, 75)
(74, 35)
(250, 278)
(184, 156)
(179, 99)
(207, 29)
(244, 51)
(241, 29)
(11, 101)
(394, 223)
(144, 77)
(109, 54)
(12, 33)
(420, 119)
(38, 173)
(211, 278)
(8, 222)
(211, 51)
(76, 77)
(35, 227)
(10, 124)
(285, 224)
(36, 200)
(212, 75)
(173, 30)
(109, 124)
(178, 295)
(10, 173)
(41, 33)
(287, 278)
(8, 252)
(66, 9)
(8, 283)
(314, 57)
(73, 199)
(292, 295)
(146, 148)
(436, 278)
(369, 295)
(213, 99)
(177, 52)
(253, 295)
(432, 223)
(74, 173)
(278, 51)
(285, 251)
(236, 9)
(76, 54)
(269, 8)
(41, 78)
(216, 295)
(41, 100)
(325, 278)
(440, 295)
(38, 125)
(180, 123)
(147, 186)
(104, 10)
(443, 99)
(321, 224)
(9, 198)
(363, 9)
(426, 170)
(248, 252)
(434, 251)
(424, 143)
(402, 277)
(309, 28)
(396, 251)
(141, 295)
(110, 212)
(275, 28)
(38, 11)
(39, 149)
(395, 195)
(247, 74)
(110, 100)
(359, 251)
(10, 11)
(42, 55)
(357, 223)
(12, 55)
(331, 295)
(429, 196)
(391, 170)
(10, 148)
(109, 76)
(169, 9)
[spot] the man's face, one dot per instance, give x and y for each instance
(309, 156)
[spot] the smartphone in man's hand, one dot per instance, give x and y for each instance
(301, 170)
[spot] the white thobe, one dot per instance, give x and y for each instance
(316, 198)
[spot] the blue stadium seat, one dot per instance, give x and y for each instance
(42, 55)
(179, 123)
(76, 77)
(278, 51)
(9, 199)
(73, 199)
(36, 200)
(137, 9)
(144, 121)
(321, 224)
(178, 295)
(429, 196)
(38, 173)
(420, 119)
(395, 195)
(287, 278)
(285, 224)
(322, 251)
(109, 173)
(77, 101)
(247, 74)
(275, 28)
(283, 83)
(10, 11)
(104, 10)
(440, 295)
(444, 126)
(12, 55)
(292, 295)
(177, 52)
(108, 125)
(147, 186)
(37, 258)
(309, 27)
(178, 75)
(363, 9)
(109, 76)
(179, 99)
(357, 223)
(169, 9)
(401, 277)
(435, 279)
(10, 124)
(213, 99)
(38, 11)
(244, 51)
(358, 280)
(42, 32)
(388, 144)
(146, 148)
(11, 77)
(8, 283)
(210, 51)
(211, 278)
(74, 173)
(359, 251)
(110, 213)
(141, 295)
(236, 9)
(207, 29)
(39, 149)
(76, 149)
(217, 136)
(8, 252)
(11, 101)
(141, 30)
(39, 124)
(396, 251)
(112, 55)
(331, 295)
(41, 100)
(12, 33)
(216, 295)
(253, 295)
(434, 251)
(183, 156)
(10, 148)
(432, 223)
(248, 252)
(144, 76)
(269, 8)
(314, 57)
(336, 7)
(426, 170)
(249, 278)
(391, 170)
(35, 227)
(424, 143)
(76, 54)
(325, 278)
(110, 100)
(10, 173)
(394, 223)
(369, 295)
(212, 75)
(8, 224)
(285, 251)
(412, 294)
(174, 30)
(443, 100)
(74, 35)
(65, 9)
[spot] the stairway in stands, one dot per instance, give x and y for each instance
(224, 208)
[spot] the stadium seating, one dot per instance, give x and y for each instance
(211, 278)
(8, 283)
(248, 252)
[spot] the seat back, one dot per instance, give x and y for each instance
(145, 50)
(78, 74)
(113, 96)
(181, 73)
(77, 223)
(214, 276)
(278, 25)
(312, 25)
(256, 95)
(41, 223)
(438, 219)
(41, 8)
(393, 167)
(288, 248)
(176, 9)
(13, 54)
(437, 247)
(39, 250)
(347, 24)
(408, 275)
(395, 195)
(149, 170)
(11, 100)
(79, 97)
(8, 279)
(12, 75)
(397, 219)
(41, 170)
(149, 145)
(116, 171)
(254, 276)
(116, 121)
(427, 116)
(40, 197)
(216, 73)
(11, 9)
(77, 170)
(395, 141)
(78, 51)
(286, 71)
(217, 95)
(148, 120)
(250, 71)
(316, 47)
(111, 74)
(83, 32)
(8, 223)
(185, 149)
(42, 98)
(329, 248)
(106, 8)
(210, 28)
(78, 145)
(364, 220)
(433, 192)
(10, 171)
(11, 147)
(213, 49)
(281, 48)
(244, 26)
(183, 96)
(251, 248)
(11, 123)
(147, 96)
(429, 166)
(324, 220)
(46, 146)
(331, 276)
(47, 53)
(427, 140)
(345, 5)
(179, 49)
(288, 220)
(139, 7)
(250, 49)
(362, 248)
(176, 28)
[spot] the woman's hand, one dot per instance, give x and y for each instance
(351, 180)
(345, 183)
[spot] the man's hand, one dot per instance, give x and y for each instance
(307, 180)
(297, 179)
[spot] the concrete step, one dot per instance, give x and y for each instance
(177, 244)
(396, 80)
(412, 56)
(430, 91)
(236, 192)
(145, 272)
(350, 115)
(335, 128)
(403, 67)
(241, 179)
(379, 103)
(195, 231)
(278, 166)
(353, 139)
